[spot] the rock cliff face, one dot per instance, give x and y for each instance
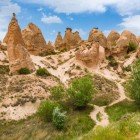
(34, 40)
(123, 43)
(18, 55)
(91, 55)
(97, 36)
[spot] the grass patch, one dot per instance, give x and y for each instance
(78, 124)
(117, 111)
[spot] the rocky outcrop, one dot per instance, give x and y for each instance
(49, 47)
(70, 40)
(17, 53)
(34, 40)
(92, 55)
(138, 39)
(112, 39)
(97, 36)
(58, 41)
(123, 42)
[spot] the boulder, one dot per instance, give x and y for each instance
(34, 40)
(97, 36)
(91, 56)
(112, 39)
(17, 52)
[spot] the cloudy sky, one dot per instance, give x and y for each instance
(52, 16)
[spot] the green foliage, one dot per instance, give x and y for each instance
(42, 72)
(127, 128)
(133, 85)
(128, 68)
(59, 118)
(117, 111)
(24, 71)
(45, 110)
(112, 61)
(132, 47)
(57, 92)
(81, 91)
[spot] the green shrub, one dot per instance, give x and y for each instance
(45, 110)
(81, 91)
(133, 85)
(24, 71)
(112, 61)
(42, 72)
(132, 47)
(59, 118)
(57, 92)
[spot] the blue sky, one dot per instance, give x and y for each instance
(52, 16)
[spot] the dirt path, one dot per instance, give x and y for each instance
(97, 109)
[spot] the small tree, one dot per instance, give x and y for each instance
(45, 110)
(57, 92)
(59, 118)
(81, 91)
(133, 85)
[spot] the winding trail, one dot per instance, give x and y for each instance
(97, 109)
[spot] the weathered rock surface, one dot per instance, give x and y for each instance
(92, 55)
(112, 38)
(34, 40)
(70, 40)
(97, 36)
(123, 42)
(58, 41)
(17, 53)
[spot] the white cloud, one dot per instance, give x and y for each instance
(123, 7)
(6, 9)
(50, 19)
(131, 23)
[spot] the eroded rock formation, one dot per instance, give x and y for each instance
(70, 40)
(92, 55)
(18, 55)
(112, 39)
(34, 40)
(123, 43)
(97, 36)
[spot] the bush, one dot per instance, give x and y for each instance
(57, 92)
(42, 72)
(59, 118)
(132, 47)
(81, 91)
(45, 110)
(4, 69)
(112, 61)
(24, 71)
(133, 85)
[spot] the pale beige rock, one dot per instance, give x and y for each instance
(17, 53)
(112, 38)
(34, 40)
(97, 36)
(92, 55)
